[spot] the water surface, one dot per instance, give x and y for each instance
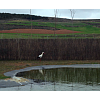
(61, 79)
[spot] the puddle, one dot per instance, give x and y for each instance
(84, 77)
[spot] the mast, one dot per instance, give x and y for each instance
(31, 22)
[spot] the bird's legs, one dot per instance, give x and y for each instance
(40, 59)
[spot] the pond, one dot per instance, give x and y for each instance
(75, 78)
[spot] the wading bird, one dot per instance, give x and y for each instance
(41, 55)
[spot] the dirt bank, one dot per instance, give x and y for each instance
(38, 31)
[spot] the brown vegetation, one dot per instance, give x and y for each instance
(55, 49)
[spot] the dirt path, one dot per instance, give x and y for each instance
(38, 31)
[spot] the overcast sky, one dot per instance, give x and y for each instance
(62, 13)
(84, 9)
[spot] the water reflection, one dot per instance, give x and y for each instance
(87, 76)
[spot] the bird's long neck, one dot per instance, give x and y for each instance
(42, 53)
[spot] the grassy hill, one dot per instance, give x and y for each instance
(86, 28)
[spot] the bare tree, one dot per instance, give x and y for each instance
(72, 15)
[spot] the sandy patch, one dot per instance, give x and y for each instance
(17, 79)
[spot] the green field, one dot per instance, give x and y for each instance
(85, 30)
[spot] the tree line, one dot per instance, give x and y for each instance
(4, 16)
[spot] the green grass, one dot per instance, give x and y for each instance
(60, 25)
(26, 23)
(45, 36)
(25, 36)
(83, 29)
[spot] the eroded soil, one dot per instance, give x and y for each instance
(38, 31)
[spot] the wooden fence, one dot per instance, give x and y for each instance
(55, 49)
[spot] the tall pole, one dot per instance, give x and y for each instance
(55, 13)
(55, 23)
(31, 22)
(72, 16)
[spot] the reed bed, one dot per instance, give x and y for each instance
(55, 49)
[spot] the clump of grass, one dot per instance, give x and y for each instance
(3, 77)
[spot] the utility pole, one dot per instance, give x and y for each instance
(31, 22)
(55, 13)
(72, 15)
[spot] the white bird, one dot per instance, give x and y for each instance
(41, 55)
(41, 71)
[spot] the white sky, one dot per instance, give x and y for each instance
(62, 13)
(86, 9)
